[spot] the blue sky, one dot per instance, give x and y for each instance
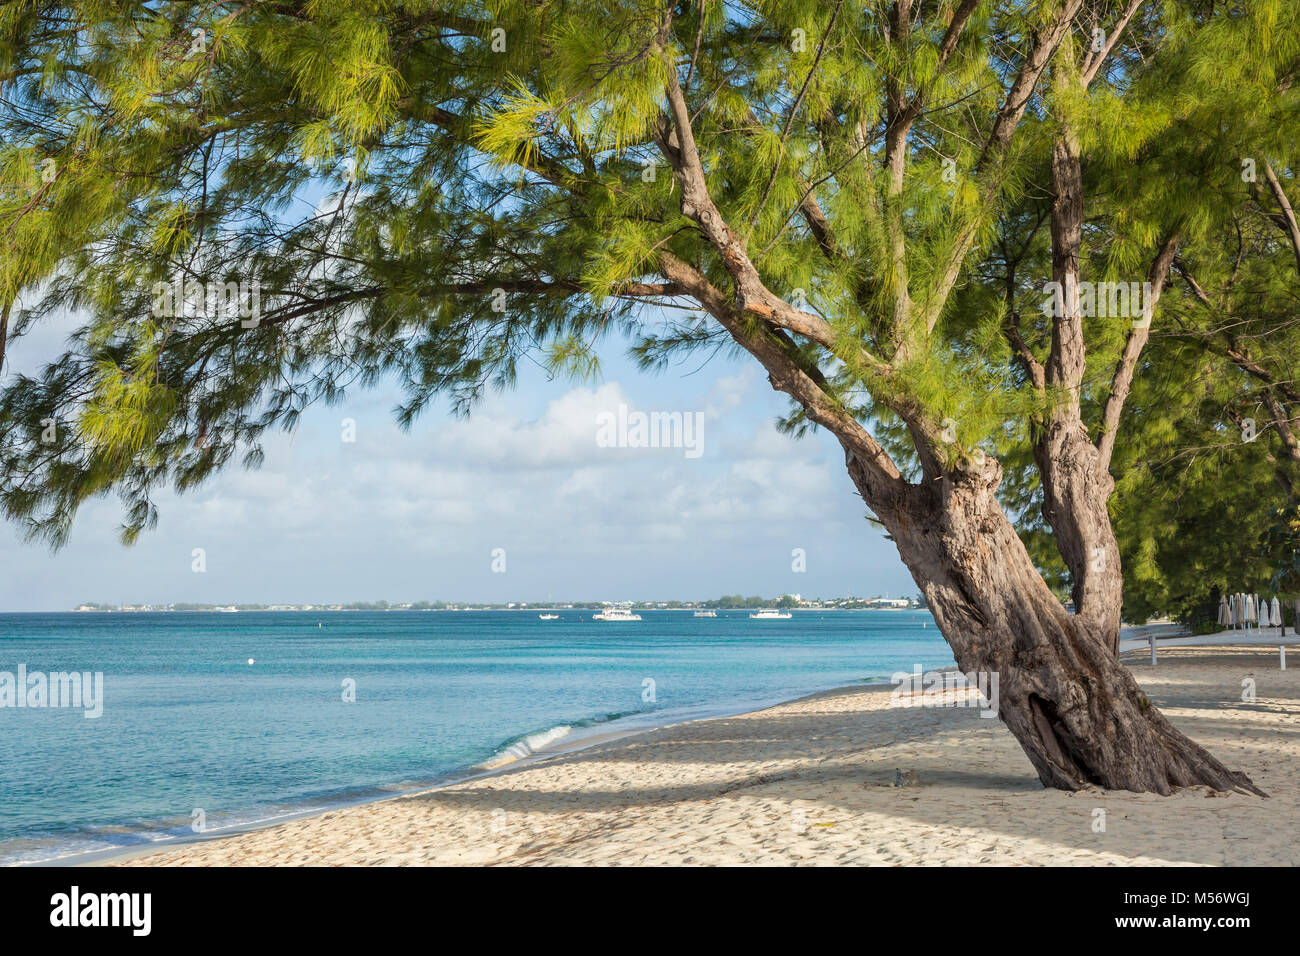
(410, 516)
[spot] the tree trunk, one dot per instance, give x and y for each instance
(1075, 492)
(1076, 486)
(1075, 709)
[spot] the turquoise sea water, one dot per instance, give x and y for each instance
(188, 724)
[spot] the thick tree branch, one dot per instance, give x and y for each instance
(947, 45)
(677, 143)
(1045, 43)
(1122, 380)
(786, 376)
(1244, 362)
(1288, 214)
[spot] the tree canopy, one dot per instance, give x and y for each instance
(259, 205)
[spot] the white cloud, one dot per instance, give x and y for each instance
(406, 516)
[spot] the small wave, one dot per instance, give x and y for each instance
(616, 715)
(526, 746)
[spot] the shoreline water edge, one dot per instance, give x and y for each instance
(590, 735)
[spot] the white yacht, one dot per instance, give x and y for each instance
(770, 614)
(616, 612)
(548, 617)
(706, 613)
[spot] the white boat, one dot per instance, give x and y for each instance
(548, 617)
(771, 614)
(616, 612)
(706, 613)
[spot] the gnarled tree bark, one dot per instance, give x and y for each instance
(1074, 708)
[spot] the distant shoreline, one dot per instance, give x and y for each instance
(547, 608)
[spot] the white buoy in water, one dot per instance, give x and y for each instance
(250, 662)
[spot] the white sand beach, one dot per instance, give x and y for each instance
(812, 782)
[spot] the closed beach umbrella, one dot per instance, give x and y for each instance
(1277, 613)
(1249, 615)
(1261, 602)
(1223, 610)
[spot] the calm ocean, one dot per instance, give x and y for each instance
(189, 725)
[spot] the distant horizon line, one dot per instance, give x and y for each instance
(726, 602)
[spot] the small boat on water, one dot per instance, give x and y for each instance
(616, 612)
(706, 613)
(548, 617)
(770, 614)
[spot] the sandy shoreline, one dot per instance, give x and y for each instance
(811, 782)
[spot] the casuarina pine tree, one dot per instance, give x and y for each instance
(945, 230)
